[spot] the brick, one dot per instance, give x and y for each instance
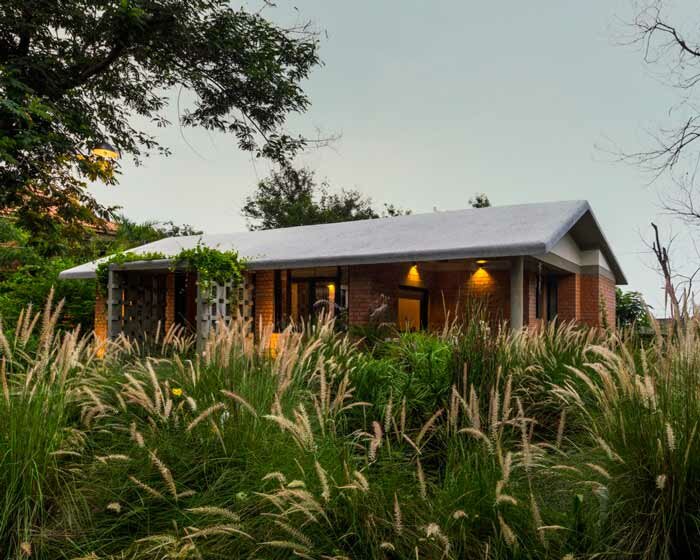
(597, 301)
(448, 291)
(169, 319)
(264, 299)
(569, 297)
(100, 326)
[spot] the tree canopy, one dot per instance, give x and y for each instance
(29, 267)
(670, 45)
(480, 200)
(631, 309)
(76, 73)
(292, 197)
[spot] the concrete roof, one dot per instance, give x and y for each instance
(499, 231)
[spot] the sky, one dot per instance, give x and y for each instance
(435, 101)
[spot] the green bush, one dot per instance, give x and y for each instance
(31, 284)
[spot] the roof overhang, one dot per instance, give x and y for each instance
(588, 235)
(84, 273)
(508, 231)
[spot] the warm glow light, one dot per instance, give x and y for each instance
(413, 274)
(105, 150)
(273, 344)
(481, 261)
(331, 299)
(481, 282)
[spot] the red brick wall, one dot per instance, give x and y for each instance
(530, 302)
(100, 327)
(607, 294)
(569, 293)
(493, 287)
(597, 300)
(361, 294)
(590, 302)
(366, 286)
(169, 301)
(447, 292)
(368, 283)
(264, 299)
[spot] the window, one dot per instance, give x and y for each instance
(312, 291)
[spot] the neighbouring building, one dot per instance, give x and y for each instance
(529, 263)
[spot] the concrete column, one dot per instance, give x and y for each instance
(203, 318)
(114, 305)
(517, 279)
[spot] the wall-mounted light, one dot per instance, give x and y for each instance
(481, 262)
(413, 273)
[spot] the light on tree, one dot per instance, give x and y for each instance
(105, 150)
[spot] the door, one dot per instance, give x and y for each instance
(186, 300)
(412, 312)
(310, 297)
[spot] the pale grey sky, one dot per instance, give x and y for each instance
(438, 100)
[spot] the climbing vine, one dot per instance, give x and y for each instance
(102, 272)
(212, 265)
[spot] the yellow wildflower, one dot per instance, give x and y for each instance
(177, 392)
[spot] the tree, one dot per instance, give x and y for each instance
(132, 234)
(291, 197)
(15, 248)
(630, 309)
(28, 272)
(670, 47)
(675, 57)
(480, 200)
(76, 73)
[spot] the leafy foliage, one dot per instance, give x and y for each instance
(122, 258)
(292, 197)
(132, 234)
(28, 273)
(78, 73)
(15, 247)
(631, 309)
(212, 265)
(31, 283)
(480, 200)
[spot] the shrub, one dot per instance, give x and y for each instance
(31, 285)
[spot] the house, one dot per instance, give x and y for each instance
(529, 263)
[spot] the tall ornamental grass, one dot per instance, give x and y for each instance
(468, 443)
(642, 408)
